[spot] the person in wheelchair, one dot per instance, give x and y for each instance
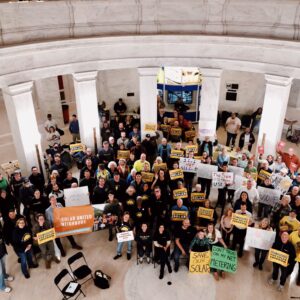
(144, 243)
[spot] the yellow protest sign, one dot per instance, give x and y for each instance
(178, 215)
(150, 127)
(165, 127)
(199, 262)
(176, 153)
(176, 131)
(278, 257)
(190, 134)
(147, 176)
(157, 167)
(197, 197)
(123, 154)
(180, 193)
(239, 220)
(176, 174)
(263, 175)
(191, 148)
(77, 148)
(205, 213)
(46, 236)
(172, 120)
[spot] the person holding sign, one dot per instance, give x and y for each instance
(282, 245)
(215, 238)
(46, 248)
(144, 243)
(183, 238)
(207, 146)
(239, 231)
(289, 223)
(244, 198)
(162, 242)
(124, 226)
(295, 240)
(226, 226)
(260, 254)
(200, 242)
(202, 222)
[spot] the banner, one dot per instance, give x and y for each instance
(199, 262)
(77, 196)
(278, 257)
(73, 220)
(220, 179)
(46, 236)
(176, 131)
(205, 213)
(157, 167)
(259, 238)
(176, 174)
(150, 127)
(188, 164)
(180, 193)
(239, 220)
(223, 259)
(124, 154)
(268, 196)
(197, 197)
(206, 128)
(262, 175)
(125, 236)
(77, 148)
(190, 134)
(205, 171)
(176, 153)
(191, 148)
(147, 176)
(179, 215)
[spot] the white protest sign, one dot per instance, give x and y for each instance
(268, 196)
(206, 128)
(125, 236)
(220, 179)
(205, 170)
(237, 171)
(77, 196)
(188, 164)
(238, 181)
(281, 183)
(259, 238)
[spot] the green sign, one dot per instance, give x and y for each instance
(223, 259)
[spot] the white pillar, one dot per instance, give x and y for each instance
(22, 119)
(87, 107)
(210, 95)
(274, 110)
(148, 96)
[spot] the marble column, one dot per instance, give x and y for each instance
(22, 119)
(210, 96)
(148, 97)
(274, 110)
(87, 107)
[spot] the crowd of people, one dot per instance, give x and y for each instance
(142, 205)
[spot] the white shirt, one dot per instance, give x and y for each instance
(233, 124)
(50, 123)
(218, 236)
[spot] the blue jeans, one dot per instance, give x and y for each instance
(177, 253)
(3, 274)
(120, 246)
(26, 257)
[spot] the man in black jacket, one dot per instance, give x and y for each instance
(246, 139)
(283, 245)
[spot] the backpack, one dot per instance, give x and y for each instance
(101, 280)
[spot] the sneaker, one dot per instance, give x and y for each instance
(271, 281)
(110, 238)
(9, 278)
(7, 289)
(148, 260)
(117, 256)
(161, 275)
(128, 256)
(255, 265)
(27, 276)
(141, 260)
(34, 266)
(260, 267)
(280, 288)
(77, 247)
(170, 269)
(63, 253)
(56, 259)
(176, 269)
